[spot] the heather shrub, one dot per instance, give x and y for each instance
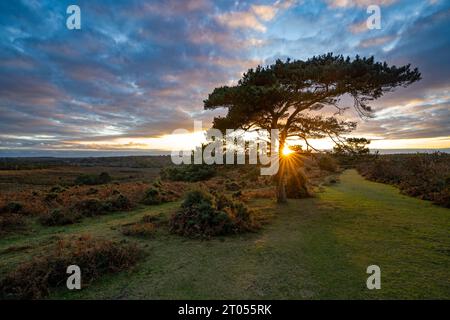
(203, 215)
(34, 279)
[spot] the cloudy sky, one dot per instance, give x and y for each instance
(139, 69)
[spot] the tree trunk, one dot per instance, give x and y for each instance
(281, 183)
(281, 189)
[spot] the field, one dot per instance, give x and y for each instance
(313, 248)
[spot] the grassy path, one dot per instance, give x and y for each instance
(311, 249)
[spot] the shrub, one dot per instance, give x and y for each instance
(49, 197)
(91, 191)
(232, 186)
(94, 207)
(327, 163)
(34, 279)
(140, 229)
(119, 203)
(89, 207)
(92, 179)
(204, 215)
(426, 176)
(56, 189)
(12, 207)
(59, 217)
(11, 222)
(153, 196)
(189, 173)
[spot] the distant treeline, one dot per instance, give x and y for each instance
(44, 163)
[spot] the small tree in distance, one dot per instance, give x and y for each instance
(353, 147)
(282, 96)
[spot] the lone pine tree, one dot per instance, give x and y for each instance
(278, 96)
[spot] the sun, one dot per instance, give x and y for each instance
(287, 151)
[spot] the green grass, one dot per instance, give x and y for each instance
(310, 249)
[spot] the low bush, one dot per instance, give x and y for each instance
(34, 279)
(12, 207)
(189, 173)
(118, 203)
(153, 196)
(89, 207)
(59, 217)
(92, 179)
(11, 222)
(204, 215)
(232, 186)
(57, 189)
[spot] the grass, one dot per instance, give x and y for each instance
(310, 249)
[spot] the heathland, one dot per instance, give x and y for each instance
(141, 229)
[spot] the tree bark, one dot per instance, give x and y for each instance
(281, 189)
(281, 183)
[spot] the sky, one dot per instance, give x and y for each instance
(138, 70)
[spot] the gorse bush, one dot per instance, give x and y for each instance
(189, 173)
(160, 193)
(153, 196)
(92, 179)
(118, 203)
(34, 279)
(205, 215)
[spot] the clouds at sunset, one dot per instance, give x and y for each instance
(140, 69)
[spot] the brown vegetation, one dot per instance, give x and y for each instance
(34, 279)
(426, 176)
